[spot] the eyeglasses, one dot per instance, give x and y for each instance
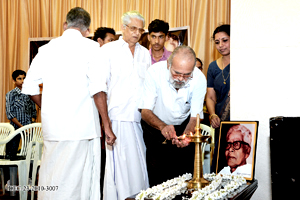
(133, 29)
(236, 145)
(186, 76)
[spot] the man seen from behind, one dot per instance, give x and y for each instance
(68, 67)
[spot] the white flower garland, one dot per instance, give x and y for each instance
(166, 190)
(213, 191)
(177, 186)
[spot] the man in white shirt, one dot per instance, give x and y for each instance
(124, 63)
(68, 68)
(173, 95)
(237, 150)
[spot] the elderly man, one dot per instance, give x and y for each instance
(158, 31)
(237, 150)
(71, 127)
(173, 95)
(124, 64)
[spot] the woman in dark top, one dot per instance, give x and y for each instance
(218, 78)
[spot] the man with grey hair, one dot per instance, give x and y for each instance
(173, 95)
(237, 150)
(68, 68)
(124, 65)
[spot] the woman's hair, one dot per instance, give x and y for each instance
(198, 59)
(223, 28)
(126, 17)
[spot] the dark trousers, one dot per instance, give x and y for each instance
(11, 151)
(166, 161)
(12, 146)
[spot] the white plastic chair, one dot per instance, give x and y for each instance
(31, 151)
(30, 132)
(206, 130)
(5, 130)
(36, 164)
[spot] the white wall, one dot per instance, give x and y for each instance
(265, 71)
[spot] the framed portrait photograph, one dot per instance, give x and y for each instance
(237, 148)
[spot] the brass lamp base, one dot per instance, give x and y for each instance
(197, 183)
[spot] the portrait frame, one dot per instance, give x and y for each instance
(246, 170)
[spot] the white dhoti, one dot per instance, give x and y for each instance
(126, 171)
(73, 168)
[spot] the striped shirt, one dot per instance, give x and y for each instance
(19, 106)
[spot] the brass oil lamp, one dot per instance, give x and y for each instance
(198, 181)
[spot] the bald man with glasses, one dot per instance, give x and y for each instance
(173, 95)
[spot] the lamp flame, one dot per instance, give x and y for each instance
(182, 137)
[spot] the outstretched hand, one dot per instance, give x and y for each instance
(169, 132)
(182, 141)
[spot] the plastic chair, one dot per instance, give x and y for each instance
(206, 130)
(30, 132)
(36, 164)
(31, 151)
(5, 130)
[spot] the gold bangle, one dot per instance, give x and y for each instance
(210, 116)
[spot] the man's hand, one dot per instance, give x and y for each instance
(183, 141)
(110, 137)
(168, 132)
(101, 104)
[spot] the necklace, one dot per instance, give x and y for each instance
(223, 73)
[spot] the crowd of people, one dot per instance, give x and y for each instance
(136, 97)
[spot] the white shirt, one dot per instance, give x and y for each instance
(168, 104)
(123, 78)
(244, 170)
(68, 67)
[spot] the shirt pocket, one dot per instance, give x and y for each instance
(186, 108)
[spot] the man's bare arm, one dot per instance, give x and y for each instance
(168, 131)
(101, 104)
(36, 99)
(190, 127)
(16, 122)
